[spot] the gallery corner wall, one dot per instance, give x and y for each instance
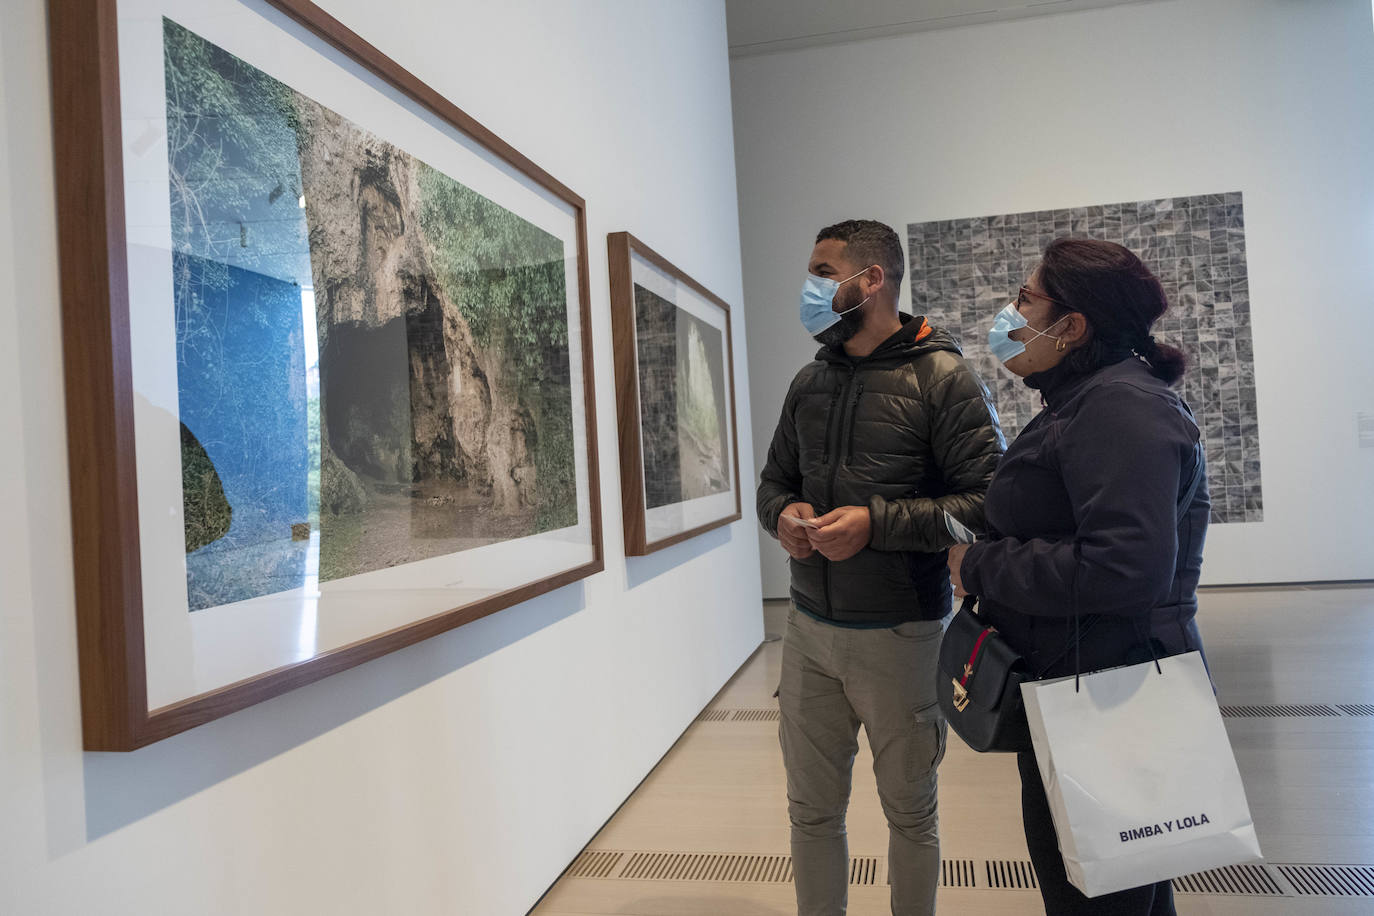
(1166, 99)
(462, 774)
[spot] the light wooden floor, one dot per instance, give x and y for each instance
(1309, 778)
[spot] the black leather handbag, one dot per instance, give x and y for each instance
(980, 684)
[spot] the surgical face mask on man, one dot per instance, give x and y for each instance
(999, 336)
(818, 300)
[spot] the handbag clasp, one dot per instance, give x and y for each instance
(960, 695)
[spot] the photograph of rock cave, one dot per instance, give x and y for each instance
(681, 402)
(372, 358)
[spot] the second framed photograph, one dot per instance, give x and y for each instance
(675, 398)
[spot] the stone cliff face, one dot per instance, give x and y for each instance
(408, 396)
(656, 344)
(701, 419)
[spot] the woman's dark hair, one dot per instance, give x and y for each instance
(1118, 295)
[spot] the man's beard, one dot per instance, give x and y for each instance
(841, 331)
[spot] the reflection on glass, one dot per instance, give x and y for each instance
(312, 419)
(307, 633)
(373, 362)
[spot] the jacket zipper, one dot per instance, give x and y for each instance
(830, 424)
(853, 421)
(834, 474)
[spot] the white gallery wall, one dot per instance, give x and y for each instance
(463, 774)
(1142, 101)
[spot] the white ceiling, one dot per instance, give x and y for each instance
(765, 26)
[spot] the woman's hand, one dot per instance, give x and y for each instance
(956, 560)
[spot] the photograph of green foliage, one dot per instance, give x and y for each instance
(372, 358)
(328, 359)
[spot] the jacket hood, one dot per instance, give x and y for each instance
(916, 338)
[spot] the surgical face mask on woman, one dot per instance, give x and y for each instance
(818, 301)
(999, 336)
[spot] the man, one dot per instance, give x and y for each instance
(883, 434)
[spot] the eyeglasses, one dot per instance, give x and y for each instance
(1025, 292)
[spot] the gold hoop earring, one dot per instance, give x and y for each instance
(1059, 345)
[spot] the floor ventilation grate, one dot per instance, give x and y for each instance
(1248, 880)
(715, 715)
(1011, 874)
(595, 864)
(686, 866)
(1253, 880)
(957, 873)
(1275, 712)
(1330, 880)
(757, 715)
(1356, 709)
(863, 871)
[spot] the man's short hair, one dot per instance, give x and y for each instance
(870, 242)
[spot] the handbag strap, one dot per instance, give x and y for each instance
(969, 602)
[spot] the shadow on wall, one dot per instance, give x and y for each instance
(122, 789)
(639, 570)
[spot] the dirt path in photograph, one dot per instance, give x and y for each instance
(403, 527)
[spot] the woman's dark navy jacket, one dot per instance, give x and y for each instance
(1085, 506)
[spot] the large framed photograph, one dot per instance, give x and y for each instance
(675, 397)
(327, 352)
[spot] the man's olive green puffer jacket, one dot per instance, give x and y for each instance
(908, 431)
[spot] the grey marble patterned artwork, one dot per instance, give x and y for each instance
(964, 270)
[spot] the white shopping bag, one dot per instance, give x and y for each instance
(1140, 775)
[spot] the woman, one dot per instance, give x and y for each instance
(1089, 510)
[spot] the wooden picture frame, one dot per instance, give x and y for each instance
(646, 284)
(116, 542)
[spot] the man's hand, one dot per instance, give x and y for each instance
(956, 560)
(842, 533)
(793, 537)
